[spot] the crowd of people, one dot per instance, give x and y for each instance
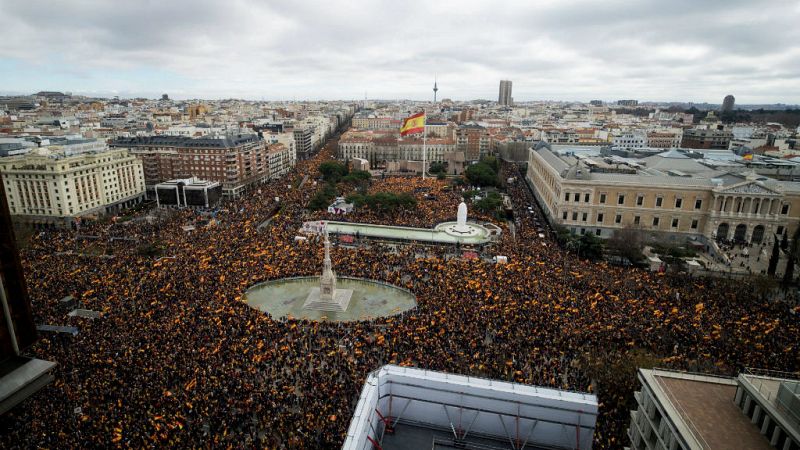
(179, 359)
(437, 202)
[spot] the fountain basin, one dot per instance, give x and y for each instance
(370, 299)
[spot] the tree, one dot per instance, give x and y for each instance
(357, 176)
(357, 200)
(794, 252)
(590, 247)
(481, 174)
(773, 259)
(563, 235)
(627, 243)
(492, 162)
(437, 167)
(332, 171)
(468, 195)
(788, 274)
(322, 198)
(383, 201)
(491, 204)
(785, 241)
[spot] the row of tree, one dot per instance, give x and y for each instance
(484, 172)
(382, 201)
(335, 173)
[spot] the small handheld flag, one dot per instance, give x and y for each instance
(413, 124)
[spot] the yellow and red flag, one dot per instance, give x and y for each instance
(413, 124)
(748, 156)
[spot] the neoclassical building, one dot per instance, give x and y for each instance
(380, 148)
(746, 211)
(50, 187)
(669, 193)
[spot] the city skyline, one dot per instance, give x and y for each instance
(553, 51)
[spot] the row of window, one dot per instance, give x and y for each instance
(584, 217)
(576, 197)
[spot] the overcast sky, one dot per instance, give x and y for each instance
(676, 50)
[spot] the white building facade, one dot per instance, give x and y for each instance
(281, 160)
(49, 187)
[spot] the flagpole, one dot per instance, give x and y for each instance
(424, 145)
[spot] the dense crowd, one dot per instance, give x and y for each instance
(179, 359)
(437, 202)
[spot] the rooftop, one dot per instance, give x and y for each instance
(703, 406)
(413, 437)
(667, 167)
(227, 141)
(439, 406)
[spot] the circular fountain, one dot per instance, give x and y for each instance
(328, 297)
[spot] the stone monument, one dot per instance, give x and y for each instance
(326, 297)
(461, 220)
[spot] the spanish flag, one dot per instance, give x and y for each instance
(413, 124)
(748, 156)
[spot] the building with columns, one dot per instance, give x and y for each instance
(382, 148)
(675, 195)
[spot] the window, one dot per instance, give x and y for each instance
(698, 204)
(779, 230)
(694, 224)
(678, 202)
(675, 223)
(575, 215)
(586, 198)
(585, 217)
(618, 218)
(600, 217)
(659, 201)
(602, 198)
(621, 199)
(576, 197)
(655, 221)
(636, 220)
(566, 196)
(785, 209)
(597, 231)
(639, 200)
(583, 231)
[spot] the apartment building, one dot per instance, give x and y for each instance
(668, 194)
(436, 148)
(664, 139)
(708, 139)
(235, 160)
(630, 140)
(48, 187)
(376, 123)
(281, 160)
(303, 141)
(474, 140)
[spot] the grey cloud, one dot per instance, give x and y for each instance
(647, 49)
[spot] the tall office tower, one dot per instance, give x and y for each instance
(505, 93)
(727, 104)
